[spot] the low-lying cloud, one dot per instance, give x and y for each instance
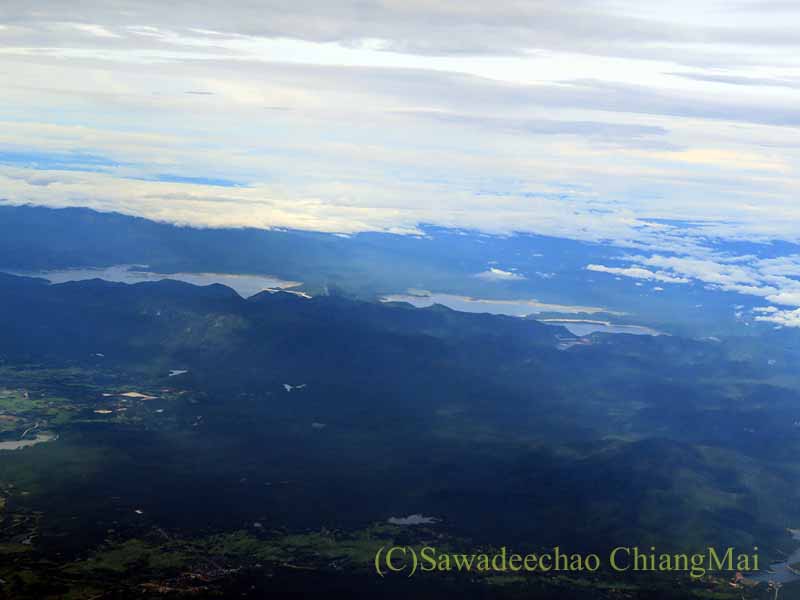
(775, 280)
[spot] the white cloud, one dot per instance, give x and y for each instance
(638, 273)
(696, 33)
(565, 119)
(784, 318)
(772, 279)
(494, 274)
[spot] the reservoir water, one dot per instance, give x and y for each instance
(245, 285)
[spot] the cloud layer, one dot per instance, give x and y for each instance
(667, 129)
(775, 280)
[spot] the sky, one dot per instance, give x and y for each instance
(669, 128)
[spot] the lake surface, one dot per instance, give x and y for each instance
(514, 308)
(245, 285)
(522, 308)
(581, 328)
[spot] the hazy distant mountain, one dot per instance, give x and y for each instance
(549, 270)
